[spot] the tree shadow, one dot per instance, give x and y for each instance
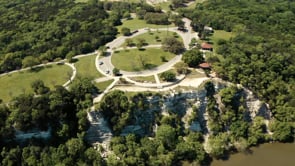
(74, 60)
(149, 66)
(49, 66)
(131, 45)
(37, 69)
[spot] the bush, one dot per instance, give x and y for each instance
(163, 59)
(172, 45)
(116, 71)
(126, 31)
(168, 76)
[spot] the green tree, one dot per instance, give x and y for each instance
(81, 87)
(168, 76)
(156, 18)
(179, 23)
(282, 131)
(39, 87)
(125, 31)
(75, 147)
(193, 42)
(30, 61)
(126, 15)
(172, 45)
(181, 68)
(257, 131)
(11, 156)
(129, 42)
(210, 89)
(193, 57)
(93, 157)
(116, 71)
(115, 107)
(167, 136)
(140, 43)
(103, 50)
(163, 58)
(6, 130)
(218, 145)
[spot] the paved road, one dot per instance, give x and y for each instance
(105, 66)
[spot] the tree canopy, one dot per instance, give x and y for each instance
(260, 55)
(193, 57)
(41, 31)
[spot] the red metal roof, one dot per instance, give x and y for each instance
(204, 65)
(206, 46)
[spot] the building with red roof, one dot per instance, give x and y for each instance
(206, 46)
(205, 65)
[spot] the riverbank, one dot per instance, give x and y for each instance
(270, 154)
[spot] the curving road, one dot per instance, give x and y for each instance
(105, 66)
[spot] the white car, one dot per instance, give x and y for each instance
(100, 63)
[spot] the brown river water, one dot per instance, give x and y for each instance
(272, 154)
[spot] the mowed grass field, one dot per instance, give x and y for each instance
(217, 35)
(193, 5)
(77, 1)
(18, 83)
(221, 34)
(103, 85)
(164, 5)
(144, 79)
(86, 67)
(131, 60)
(135, 23)
(150, 37)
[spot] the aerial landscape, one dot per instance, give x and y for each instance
(147, 82)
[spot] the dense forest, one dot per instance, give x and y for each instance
(60, 112)
(261, 55)
(33, 32)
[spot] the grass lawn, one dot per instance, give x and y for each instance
(103, 85)
(221, 34)
(144, 79)
(17, 83)
(77, 1)
(195, 74)
(193, 5)
(135, 23)
(164, 5)
(136, 60)
(150, 37)
(217, 35)
(86, 67)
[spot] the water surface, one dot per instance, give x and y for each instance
(272, 154)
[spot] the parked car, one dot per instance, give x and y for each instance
(100, 63)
